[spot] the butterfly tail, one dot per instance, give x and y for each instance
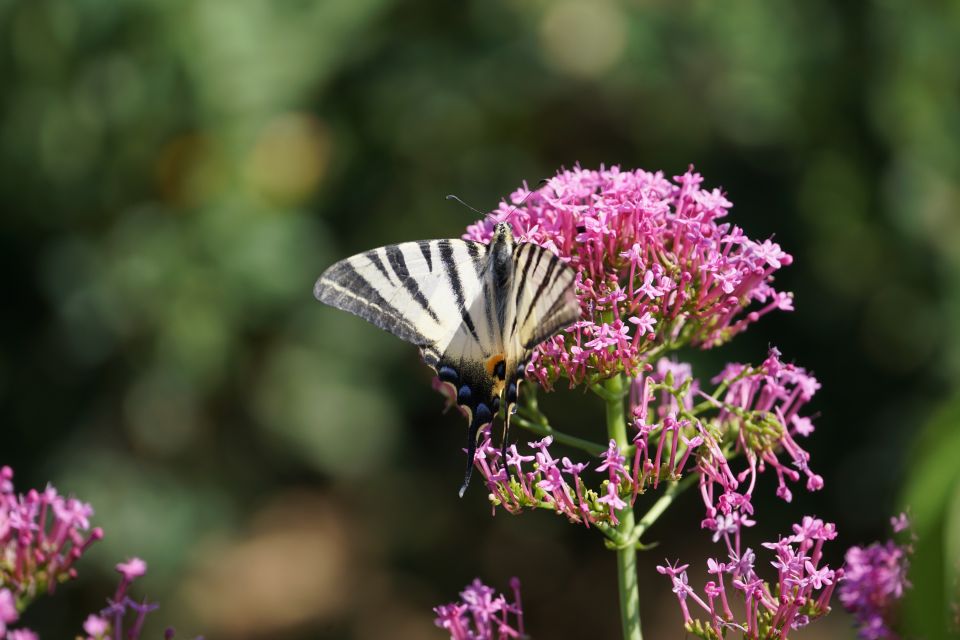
(469, 473)
(478, 420)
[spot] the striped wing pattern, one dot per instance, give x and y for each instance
(544, 296)
(475, 310)
(544, 302)
(417, 291)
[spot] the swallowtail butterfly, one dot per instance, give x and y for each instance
(476, 311)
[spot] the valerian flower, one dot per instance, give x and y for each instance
(876, 578)
(42, 535)
(800, 592)
(659, 269)
(678, 430)
(656, 267)
(8, 610)
(757, 416)
(482, 614)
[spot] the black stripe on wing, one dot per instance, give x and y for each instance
(453, 277)
(526, 253)
(546, 282)
(427, 255)
(399, 265)
(343, 287)
(545, 300)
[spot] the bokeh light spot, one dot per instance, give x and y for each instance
(294, 567)
(289, 158)
(582, 38)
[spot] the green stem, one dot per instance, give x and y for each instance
(674, 489)
(627, 555)
(543, 428)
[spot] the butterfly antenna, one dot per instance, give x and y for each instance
(474, 209)
(513, 210)
(540, 185)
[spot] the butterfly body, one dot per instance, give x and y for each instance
(475, 310)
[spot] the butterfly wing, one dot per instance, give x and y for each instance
(414, 290)
(435, 294)
(543, 302)
(475, 329)
(544, 295)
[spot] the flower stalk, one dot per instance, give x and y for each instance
(659, 269)
(626, 554)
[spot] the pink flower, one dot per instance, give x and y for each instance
(42, 535)
(900, 523)
(8, 609)
(132, 569)
(95, 626)
(875, 578)
(482, 614)
(800, 592)
(649, 251)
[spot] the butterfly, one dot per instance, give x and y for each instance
(475, 310)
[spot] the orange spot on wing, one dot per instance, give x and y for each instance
(492, 362)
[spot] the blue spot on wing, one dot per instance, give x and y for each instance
(483, 414)
(448, 374)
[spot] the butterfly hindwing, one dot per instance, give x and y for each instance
(541, 301)
(543, 294)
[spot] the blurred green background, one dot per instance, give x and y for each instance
(174, 174)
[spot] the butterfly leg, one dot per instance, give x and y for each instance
(503, 442)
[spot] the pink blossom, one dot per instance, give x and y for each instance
(800, 591)
(482, 614)
(900, 522)
(95, 626)
(132, 569)
(875, 579)
(8, 609)
(648, 250)
(42, 535)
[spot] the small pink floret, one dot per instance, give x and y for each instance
(132, 568)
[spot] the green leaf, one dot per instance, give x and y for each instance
(932, 493)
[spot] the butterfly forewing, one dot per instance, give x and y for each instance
(414, 290)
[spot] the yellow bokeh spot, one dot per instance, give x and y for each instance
(583, 38)
(288, 159)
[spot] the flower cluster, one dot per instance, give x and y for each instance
(759, 411)
(876, 578)
(656, 267)
(550, 483)
(800, 593)
(754, 411)
(481, 614)
(42, 535)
